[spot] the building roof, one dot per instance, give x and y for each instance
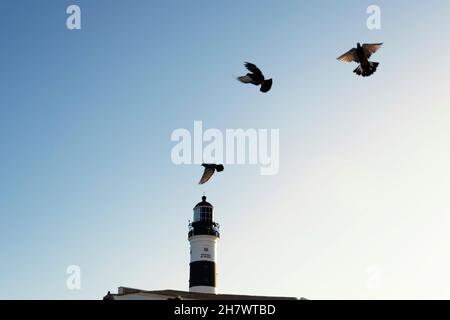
(137, 294)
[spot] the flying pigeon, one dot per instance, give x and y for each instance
(210, 168)
(256, 77)
(361, 55)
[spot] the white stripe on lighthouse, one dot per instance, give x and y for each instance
(203, 248)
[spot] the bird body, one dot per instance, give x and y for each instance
(256, 77)
(210, 168)
(361, 55)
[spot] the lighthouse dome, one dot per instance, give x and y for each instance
(204, 203)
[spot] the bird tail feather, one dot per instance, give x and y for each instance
(266, 85)
(358, 70)
(366, 70)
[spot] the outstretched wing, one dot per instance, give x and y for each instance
(371, 48)
(349, 56)
(254, 69)
(245, 79)
(207, 174)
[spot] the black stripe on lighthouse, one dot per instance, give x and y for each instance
(202, 273)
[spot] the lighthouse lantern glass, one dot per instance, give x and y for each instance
(203, 214)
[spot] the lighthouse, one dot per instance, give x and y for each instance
(203, 237)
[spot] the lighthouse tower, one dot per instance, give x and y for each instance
(203, 237)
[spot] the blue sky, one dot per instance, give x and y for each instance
(86, 176)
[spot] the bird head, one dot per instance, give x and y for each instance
(359, 45)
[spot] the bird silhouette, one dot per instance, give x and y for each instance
(210, 168)
(361, 55)
(256, 77)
